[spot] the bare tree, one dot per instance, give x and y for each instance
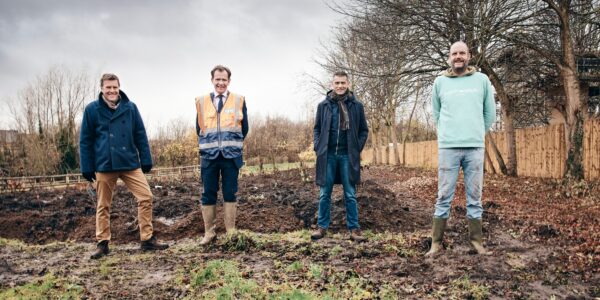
(46, 112)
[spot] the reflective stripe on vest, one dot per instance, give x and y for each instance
(220, 133)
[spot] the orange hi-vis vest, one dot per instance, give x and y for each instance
(220, 132)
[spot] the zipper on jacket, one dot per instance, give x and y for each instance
(219, 124)
(337, 141)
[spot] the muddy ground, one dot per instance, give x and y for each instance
(544, 235)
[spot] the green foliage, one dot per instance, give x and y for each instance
(47, 287)
(67, 150)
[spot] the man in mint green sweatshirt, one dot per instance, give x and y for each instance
(463, 109)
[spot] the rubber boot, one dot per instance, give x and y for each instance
(437, 235)
(476, 236)
(101, 250)
(230, 214)
(208, 214)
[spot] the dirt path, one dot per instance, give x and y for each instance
(535, 255)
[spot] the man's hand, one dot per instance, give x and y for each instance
(89, 176)
(146, 168)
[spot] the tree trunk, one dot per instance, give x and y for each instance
(375, 142)
(574, 124)
(510, 168)
(387, 144)
(408, 128)
(573, 115)
(395, 143)
(497, 154)
(489, 160)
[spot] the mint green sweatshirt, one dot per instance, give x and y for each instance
(463, 109)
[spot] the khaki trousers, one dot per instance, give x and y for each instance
(138, 185)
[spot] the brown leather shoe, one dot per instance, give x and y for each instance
(101, 250)
(318, 234)
(356, 235)
(152, 244)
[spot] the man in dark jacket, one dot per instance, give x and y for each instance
(340, 134)
(112, 145)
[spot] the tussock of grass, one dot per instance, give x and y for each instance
(240, 241)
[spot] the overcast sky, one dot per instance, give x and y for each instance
(163, 51)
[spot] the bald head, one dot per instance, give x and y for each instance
(459, 57)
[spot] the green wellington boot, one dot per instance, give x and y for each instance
(476, 237)
(437, 235)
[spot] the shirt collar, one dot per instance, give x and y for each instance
(225, 95)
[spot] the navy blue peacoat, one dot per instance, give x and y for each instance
(113, 140)
(357, 137)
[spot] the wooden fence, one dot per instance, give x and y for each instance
(591, 149)
(540, 152)
(15, 184)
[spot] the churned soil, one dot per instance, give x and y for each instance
(544, 233)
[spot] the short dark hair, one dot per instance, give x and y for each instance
(340, 74)
(220, 68)
(109, 76)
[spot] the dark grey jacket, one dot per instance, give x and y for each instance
(357, 137)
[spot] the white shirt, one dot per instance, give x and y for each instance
(216, 98)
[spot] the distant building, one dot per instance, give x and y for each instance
(588, 71)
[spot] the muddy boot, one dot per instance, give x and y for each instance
(208, 214)
(437, 235)
(101, 250)
(230, 214)
(356, 235)
(153, 244)
(318, 234)
(476, 236)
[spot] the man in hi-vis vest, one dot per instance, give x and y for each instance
(221, 125)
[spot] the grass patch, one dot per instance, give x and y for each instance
(269, 168)
(47, 287)
(16, 244)
(335, 251)
(463, 288)
(315, 271)
(295, 267)
(240, 241)
(106, 267)
(222, 279)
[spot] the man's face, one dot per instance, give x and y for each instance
(220, 81)
(340, 84)
(459, 57)
(110, 90)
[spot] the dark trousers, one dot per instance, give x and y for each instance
(211, 171)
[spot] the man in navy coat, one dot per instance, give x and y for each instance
(113, 144)
(340, 134)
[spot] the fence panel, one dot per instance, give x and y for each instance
(540, 151)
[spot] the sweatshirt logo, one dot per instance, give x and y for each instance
(461, 92)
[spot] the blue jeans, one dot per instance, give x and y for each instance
(335, 163)
(450, 160)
